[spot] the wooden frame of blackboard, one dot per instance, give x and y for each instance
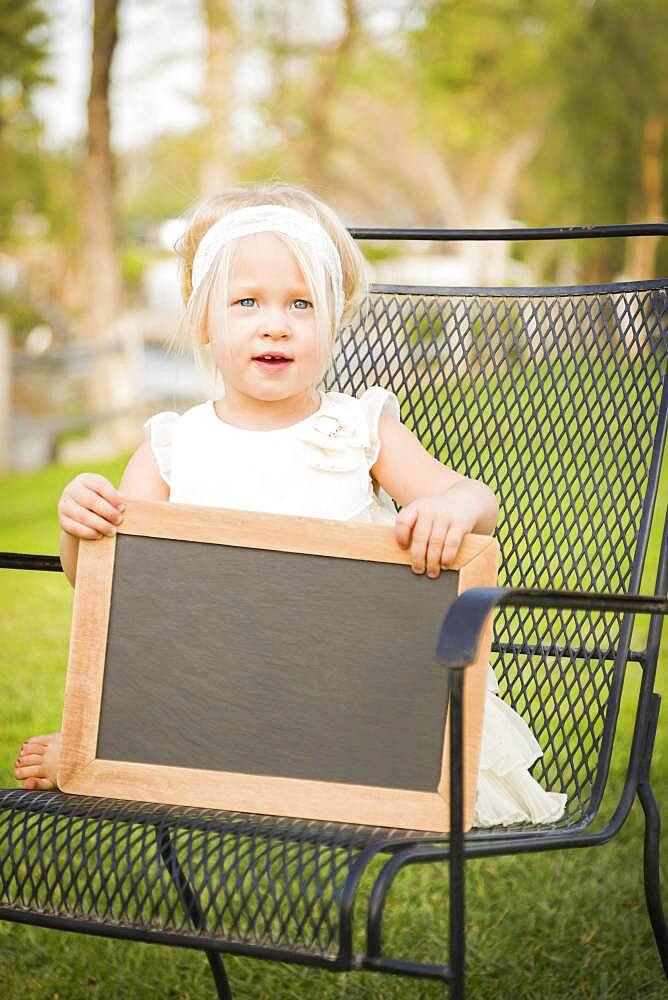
(81, 771)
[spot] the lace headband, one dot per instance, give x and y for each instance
(264, 219)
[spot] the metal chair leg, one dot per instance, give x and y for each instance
(219, 975)
(194, 910)
(651, 868)
(652, 873)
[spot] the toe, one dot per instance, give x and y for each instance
(32, 771)
(43, 784)
(29, 759)
(35, 741)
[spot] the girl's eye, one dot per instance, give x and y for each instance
(247, 302)
(301, 304)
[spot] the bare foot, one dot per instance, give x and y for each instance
(38, 762)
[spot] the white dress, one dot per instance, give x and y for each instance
(319, 467)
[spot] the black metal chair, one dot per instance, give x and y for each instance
(558, 399)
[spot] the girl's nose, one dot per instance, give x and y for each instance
(275, 323)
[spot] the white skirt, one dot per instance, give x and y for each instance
(507, 793)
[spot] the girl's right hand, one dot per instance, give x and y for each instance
(90, 506)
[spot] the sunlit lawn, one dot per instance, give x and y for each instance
(555, 926)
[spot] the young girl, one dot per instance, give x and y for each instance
(269, 275)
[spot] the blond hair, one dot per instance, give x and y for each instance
(208, 212)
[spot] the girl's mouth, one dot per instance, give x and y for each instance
(272, 362)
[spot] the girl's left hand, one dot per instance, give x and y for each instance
(434, 527)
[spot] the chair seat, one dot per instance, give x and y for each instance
(258, 883)
(261, 881)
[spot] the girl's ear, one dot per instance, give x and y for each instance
(204, 336)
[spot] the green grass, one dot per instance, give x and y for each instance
(557, 926)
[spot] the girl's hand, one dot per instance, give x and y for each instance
(433, 527)
(90, 507)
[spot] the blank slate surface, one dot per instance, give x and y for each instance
(264, 662)
(267, 664)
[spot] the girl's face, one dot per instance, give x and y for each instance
(268, 348)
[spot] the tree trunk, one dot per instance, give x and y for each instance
(109, 388)
(641, 250)
(218, 171)
(489, 262)
(100, 242)
(318, 137)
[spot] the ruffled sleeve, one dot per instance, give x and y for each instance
(158, 432)
(376, 402)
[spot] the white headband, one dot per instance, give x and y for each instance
(271, 218)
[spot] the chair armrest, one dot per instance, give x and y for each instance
(463, 623)
(29, 560)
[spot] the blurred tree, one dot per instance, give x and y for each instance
(435, 112)
(23, 50)
(331, 70)
(98, 205)
(310, 81)
(159, 180)
(109, 387)
(218, 171)
(606, 63)
(37, 194)
(554, 111)
(479, 73)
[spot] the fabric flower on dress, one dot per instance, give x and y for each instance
(336, 440)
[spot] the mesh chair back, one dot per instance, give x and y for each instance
(556, 398)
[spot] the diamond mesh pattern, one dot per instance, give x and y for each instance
(552, 398)
(261, 880)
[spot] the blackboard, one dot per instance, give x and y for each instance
(270, 664)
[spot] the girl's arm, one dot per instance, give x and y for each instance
(439, 506)
(90, 507)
